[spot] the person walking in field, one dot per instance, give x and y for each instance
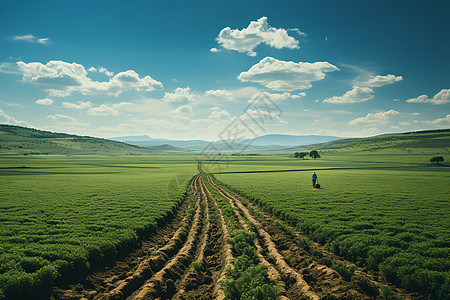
(314, 179)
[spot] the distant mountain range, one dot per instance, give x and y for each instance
(262, 143)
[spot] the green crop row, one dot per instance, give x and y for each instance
(63, 216)
(393, 221)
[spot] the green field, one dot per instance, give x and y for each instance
(386, 209)
(388, 212)
(60, 215)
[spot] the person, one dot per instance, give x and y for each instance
(314, 179)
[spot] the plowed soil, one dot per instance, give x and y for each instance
(188, 257)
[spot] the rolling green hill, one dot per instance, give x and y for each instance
(407, 140)
(26, 141)
(168, 148)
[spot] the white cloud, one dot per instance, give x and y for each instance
(286, 75)
(257, 32)
(80, 105)
(214, 50)
(442, 97)
(221, 94)
(376, 118)
(261, 115)
(275, 96)
(31, 39)
(356, 94)
(6, 119)
(445, 121)
(183, 109)
(219, 114)
(60, 78)
(108, 110)
(65, 122)
(105, 71)
(179, 95)
(101, 70)
(45, 101)
(380, 80)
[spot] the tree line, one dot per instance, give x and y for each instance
(314, 154)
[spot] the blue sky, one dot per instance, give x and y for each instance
(186, 70)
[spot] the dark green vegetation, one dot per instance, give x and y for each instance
(437, 159)
(418, 139)
(26, 141)
(386, 210)
(247, 280)
(66, 215)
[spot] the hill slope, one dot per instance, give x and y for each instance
(22, 140)
(416, 139)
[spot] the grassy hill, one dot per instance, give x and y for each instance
(168, 148)
(25, 141)
(407, 140)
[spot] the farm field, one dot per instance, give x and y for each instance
(395, 221)
(64, 214)
(149, 227)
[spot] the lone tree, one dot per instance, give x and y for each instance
(300, 154)
(314, 154)
(437, 159)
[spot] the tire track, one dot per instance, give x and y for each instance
(300, 286)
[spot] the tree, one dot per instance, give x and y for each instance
(437, 159)
(314, 154)
(300, 155)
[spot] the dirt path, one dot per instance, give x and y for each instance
(188, 257)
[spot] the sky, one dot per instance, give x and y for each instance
(197, 69)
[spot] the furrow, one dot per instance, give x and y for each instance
(161, 283)
(301, 286)
(227, 251)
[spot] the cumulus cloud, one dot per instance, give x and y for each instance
(60, 78)
(80, 105)
(445, 121)
(384, 117)
(380, 80)
(107, 109)
(45, 101)
(31, 39)
(101, 70)
(356, 94)
(214, 50)
(221, 94)
(282, 75)
(7, 119)
(257, 32)
(179, 95)
(442, 97)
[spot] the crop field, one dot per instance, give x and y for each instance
(161, 227)
(392, 220)
(62, 215)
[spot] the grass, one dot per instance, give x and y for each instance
(392, 220)
(65, 215)
(27, 141)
